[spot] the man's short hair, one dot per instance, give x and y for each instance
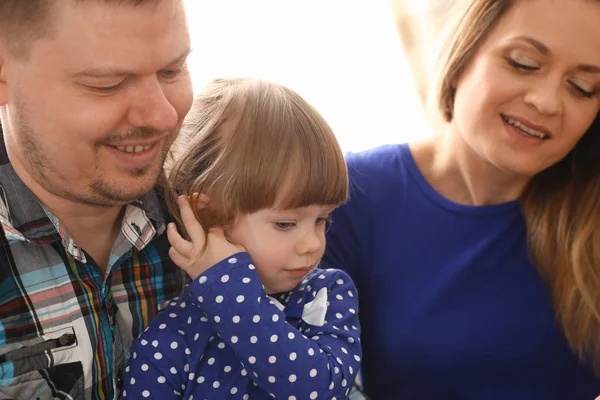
(24, 21)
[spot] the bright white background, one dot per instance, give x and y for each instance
(343, 56)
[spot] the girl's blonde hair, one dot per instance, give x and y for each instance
(250, 144)
(561, 205)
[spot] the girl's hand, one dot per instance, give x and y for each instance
(190, 256)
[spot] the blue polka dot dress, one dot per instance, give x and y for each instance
(225, 338)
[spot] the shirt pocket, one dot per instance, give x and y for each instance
(42, 368)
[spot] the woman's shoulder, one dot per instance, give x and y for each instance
(381, 171)
(378, 159)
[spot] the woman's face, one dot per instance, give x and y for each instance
(532, 89)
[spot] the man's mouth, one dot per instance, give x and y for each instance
(133, 149)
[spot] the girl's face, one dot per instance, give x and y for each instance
(285, 245)
(532, 88)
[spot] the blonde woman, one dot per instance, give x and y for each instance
(476, 253)
(259, 318)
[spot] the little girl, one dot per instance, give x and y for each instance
(255, 185)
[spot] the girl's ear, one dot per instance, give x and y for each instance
(200, 204)
(205, 210)
(198, 201)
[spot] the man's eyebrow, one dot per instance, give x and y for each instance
(542, 48)
(112, 72)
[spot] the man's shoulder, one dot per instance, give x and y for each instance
(22, 217)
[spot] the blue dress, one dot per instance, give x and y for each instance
(226, 339)
(451, 304)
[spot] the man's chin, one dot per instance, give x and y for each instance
(120, 194)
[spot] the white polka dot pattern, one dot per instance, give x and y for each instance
(218, 342)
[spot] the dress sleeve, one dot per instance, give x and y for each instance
(154, 370)
(314, 362)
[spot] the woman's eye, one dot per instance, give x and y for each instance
(581, 91)
(522, 66)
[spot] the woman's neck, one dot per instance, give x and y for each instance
(458, 173)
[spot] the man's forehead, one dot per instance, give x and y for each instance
(92, 36)
(24, 22)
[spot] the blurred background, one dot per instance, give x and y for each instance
(366, 65)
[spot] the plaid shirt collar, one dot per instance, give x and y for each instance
(24, 218)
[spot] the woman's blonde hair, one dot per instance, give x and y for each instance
(250, 144)
(561, 205)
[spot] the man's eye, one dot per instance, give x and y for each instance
(106, 89)
(171, 73)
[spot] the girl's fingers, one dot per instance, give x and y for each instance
(179, 260)
(191, 223)
(181, 245)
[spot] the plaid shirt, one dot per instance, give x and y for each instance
(65, 328)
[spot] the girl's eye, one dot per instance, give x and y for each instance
(283, 226)
(323, 220)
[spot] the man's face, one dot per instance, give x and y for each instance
(91, 113)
